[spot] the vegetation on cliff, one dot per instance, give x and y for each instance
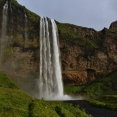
(96, 88)
(76, 34)
(92, 53)
(17, 27)
(101, 92)
(106, 101)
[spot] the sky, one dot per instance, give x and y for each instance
(95, 14)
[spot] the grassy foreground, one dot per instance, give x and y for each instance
(15, 103)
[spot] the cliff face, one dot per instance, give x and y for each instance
(19, 44)
(85, 53)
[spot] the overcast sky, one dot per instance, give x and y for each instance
(95, 14)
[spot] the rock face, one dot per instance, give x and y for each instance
(86, 54)
(20, 56)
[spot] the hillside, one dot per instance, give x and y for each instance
(15, 103)
(86, 54)
(88, 58)
(102, 86)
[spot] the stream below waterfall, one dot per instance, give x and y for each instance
(91, 110)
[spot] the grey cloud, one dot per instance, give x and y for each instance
(88, 13)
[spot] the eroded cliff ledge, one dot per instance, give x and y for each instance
(86, 54)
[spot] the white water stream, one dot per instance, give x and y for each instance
(26, 35)
(50, 79)
(3, 32)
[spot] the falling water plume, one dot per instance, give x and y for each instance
(10, 8)
(4, 30)
(50, 79)
(26, 35)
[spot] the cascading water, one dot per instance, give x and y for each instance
(10, 8)
(25, 29)
(50, 79)
(4, 29)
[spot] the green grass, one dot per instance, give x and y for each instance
(96, 88)
(15, 103)
(103, 86)
(73, 33)
(101, 92)
(6, 82)
(72, 90)
(55, 109)
(106, 101)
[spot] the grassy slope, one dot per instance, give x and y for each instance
(96, 88)
(15, 103)
(101, 92)
(103, 86)
(55, 109)
(106, 101)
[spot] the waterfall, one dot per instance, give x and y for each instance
(26, 36)
(50, 79)
(10, 8)
(4, 30)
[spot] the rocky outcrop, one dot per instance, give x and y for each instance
(86, 54)
(113, 26)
